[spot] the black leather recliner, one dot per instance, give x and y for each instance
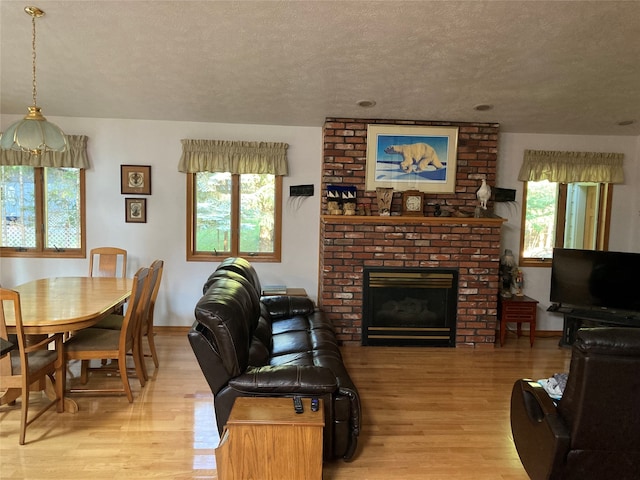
(594, 431)
(272, 346)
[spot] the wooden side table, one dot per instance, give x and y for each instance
(296, 292)
(265, 439)
(519, 310)
(290, 291)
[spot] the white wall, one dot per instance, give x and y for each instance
(116, 142)
(625, 220)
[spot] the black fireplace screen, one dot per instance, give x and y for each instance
(410, 306)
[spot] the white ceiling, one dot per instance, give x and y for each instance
(546, 67)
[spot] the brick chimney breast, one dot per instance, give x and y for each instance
(471, 245)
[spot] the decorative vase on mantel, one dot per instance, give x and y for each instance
(384, 196)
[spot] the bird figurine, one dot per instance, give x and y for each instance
(484, 194)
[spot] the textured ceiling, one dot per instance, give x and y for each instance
(546, 67)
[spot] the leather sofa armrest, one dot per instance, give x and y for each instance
(541, 436)
(287, 306)
(538, 403)
(286, 379)
(208, 358)
(354, 400)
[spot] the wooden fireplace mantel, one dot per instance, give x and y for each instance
(399, 219)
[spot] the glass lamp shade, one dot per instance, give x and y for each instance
(34, 134)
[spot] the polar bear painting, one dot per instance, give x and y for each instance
(416, 157)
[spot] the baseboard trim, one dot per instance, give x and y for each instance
(548, 333)
(171, 330)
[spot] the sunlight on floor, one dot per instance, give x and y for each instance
(205, 440)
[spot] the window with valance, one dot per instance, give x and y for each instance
(566, 201)
(234, 198)
(43, 201)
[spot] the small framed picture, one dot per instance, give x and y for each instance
(135, 179)
(135, 210)
(412, 203)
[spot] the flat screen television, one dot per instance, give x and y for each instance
(596, 279)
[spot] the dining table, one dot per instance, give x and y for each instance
(67, 304)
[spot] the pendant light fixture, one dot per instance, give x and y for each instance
(34, 134)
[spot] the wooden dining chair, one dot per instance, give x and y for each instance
(108, 260)
(29, 365)
(147, 325)
(99, 343)
(114, 321)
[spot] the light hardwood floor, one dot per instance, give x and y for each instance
(428, 413)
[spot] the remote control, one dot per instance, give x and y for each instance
(297, 404)
(315, 404)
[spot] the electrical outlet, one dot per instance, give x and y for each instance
(301, 191)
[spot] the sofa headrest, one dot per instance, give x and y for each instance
(609, 341)
(222, 274)
(244, 268)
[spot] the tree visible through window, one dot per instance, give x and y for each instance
(234, 198)
(568, 215)
(42, 211)
(234, 215)
(540, 219)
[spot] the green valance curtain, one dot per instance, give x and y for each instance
(568, 167)
(234, 157)
(74, 157)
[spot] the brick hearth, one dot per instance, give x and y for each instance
(471, 245)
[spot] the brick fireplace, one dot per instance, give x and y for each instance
(471, 246)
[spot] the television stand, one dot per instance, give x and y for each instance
(576, 318)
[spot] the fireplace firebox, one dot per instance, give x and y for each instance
(409, 306)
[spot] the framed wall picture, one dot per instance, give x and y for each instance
(410, 157)
(135, 179)
(135, 210)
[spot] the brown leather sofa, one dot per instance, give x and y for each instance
(593, 433)
(279, 346)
